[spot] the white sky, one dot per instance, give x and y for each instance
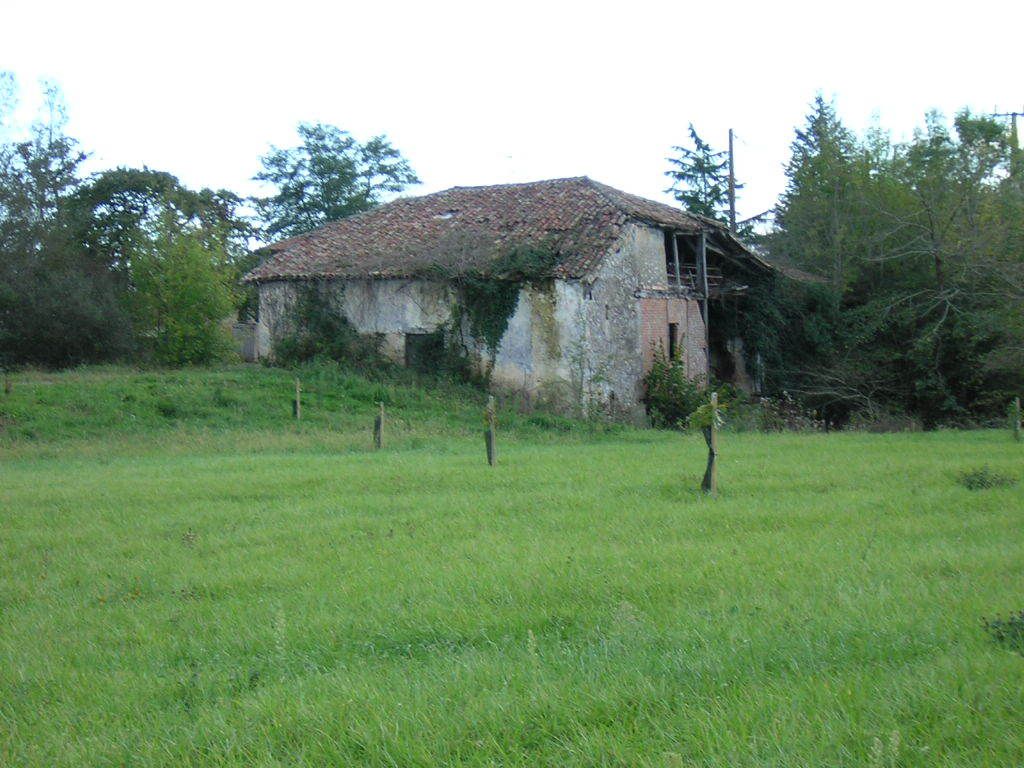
(484, 93)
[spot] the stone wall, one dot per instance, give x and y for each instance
(611, 331)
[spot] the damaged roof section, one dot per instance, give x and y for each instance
(471, 228)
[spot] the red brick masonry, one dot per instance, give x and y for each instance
(656, 314)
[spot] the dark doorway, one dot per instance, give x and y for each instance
(424, 351)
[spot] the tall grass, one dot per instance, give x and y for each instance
(206, 598)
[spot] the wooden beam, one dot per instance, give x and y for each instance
(675, 259)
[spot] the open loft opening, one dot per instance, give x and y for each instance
(683, 261)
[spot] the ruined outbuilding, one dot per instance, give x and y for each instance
(622, 277)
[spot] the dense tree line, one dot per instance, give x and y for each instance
(131, 264)
(121, 264)
(920, 245)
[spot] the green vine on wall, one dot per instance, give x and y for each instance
(487, 298)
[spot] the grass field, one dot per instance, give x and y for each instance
(189, 578)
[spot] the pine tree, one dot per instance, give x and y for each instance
(700, 178)
(814, 214)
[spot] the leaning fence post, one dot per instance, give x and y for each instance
(489, 433)
(8, 386)
(297, 402)
(710, 482)
(378, 428)
(1015, 418)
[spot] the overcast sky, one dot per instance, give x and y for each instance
(485, 93)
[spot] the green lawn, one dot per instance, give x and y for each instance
(190, 578)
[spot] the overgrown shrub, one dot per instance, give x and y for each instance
(56, 313)
(442, 353)
(319, 329)
(183, 289)
(550, 422)
(884, 421)
(670, 395)
(982, 478)
(784, 414)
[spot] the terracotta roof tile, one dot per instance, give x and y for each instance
(470, 227)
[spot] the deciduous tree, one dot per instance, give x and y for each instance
(330, 175)
(57, 307)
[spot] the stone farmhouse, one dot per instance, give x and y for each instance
(626, 276)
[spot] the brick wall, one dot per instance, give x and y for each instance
(656, 315)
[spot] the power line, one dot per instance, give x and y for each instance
(1013, 117)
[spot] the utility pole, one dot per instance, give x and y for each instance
(732, 186)
(702, 266)
(1016, 163)
(1013, 116)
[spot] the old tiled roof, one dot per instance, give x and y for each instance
(468, 228)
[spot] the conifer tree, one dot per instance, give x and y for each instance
(814, 214)
(700, 178)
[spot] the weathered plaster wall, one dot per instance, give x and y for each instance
(394, 308)
(643, 251)
(276, 299)
(391, 308)
(529, 355)
(612, 328)
(534, 356)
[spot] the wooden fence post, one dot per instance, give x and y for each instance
(710, 482)
(8, 386)
(378, 428)
(297, 402)
(490, 432)
(1015, 418)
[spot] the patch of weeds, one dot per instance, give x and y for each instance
(983, 478)
(168, 409)
(1008, 631)
(222, 398)
(6, 420)
(884, 755)
(187, 593)
(550, 422)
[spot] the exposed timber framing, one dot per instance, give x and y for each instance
(675, 258)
